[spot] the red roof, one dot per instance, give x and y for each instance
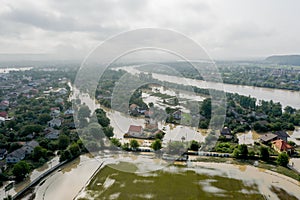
(281, 145)
(3, 114)
(133, 106)
(54, 108)
(134, 128)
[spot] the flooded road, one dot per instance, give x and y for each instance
(66, 183)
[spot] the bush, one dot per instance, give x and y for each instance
(283, 159)
(264, 153)
(20, 170)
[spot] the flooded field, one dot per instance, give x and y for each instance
(198, 181)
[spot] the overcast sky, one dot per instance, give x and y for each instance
(231, 29)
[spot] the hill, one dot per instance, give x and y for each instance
(284, 60)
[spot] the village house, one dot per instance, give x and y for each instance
(148, 113)
(268, 137)
(282, 135)
(226, 132)
(52, 135)
(2, 120)
(177, 114)
(69, 112)
(29, 147)
(134, 131)
(282, 146)
(55, 112)
(54, 123)
(4, 104)
(62, 91)
(15, 156)
(133, 109)
(4, 114)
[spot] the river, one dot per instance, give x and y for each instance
(285, 97)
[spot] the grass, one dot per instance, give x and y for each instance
(282, 194)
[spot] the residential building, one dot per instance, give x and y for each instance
(282, 135)
(54, 123)
(269, 137)
(282, 146)
(226, 132)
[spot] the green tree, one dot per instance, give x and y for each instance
(156, 145)
(74, 149)
(264, 153)
(65, 155)
(108, 131)
(205, 108)
(115, 142)
(236, 153)
(44, 118)
(20, 170)
(283, 159)
(30, 129)
(63, 141)
(134, 144)
(243, 150)
(39, 152)
(194, 145)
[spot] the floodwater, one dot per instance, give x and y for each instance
(67, 182)
(251, 136)
(121, 122)
(197, 181)
(285, 97)
(7, 70)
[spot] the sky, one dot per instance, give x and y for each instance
(70, 29)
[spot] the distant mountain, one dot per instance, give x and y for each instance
(284, 60)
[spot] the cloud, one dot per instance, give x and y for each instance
(227, 29)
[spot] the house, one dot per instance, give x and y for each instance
(29, 146)
(269, 137)
(54, 123)
(282, 135)
(134, 131)
(15, 156)
(53, 135)
(4, 114)
(4, 104)
(177, 114)
(59, 100)
(62, 91)
(2, 120)
(133, 109)
(3, 153)
(55, 111)
(148, 113)
(226, 132)
(69, 112)
(282, 146)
